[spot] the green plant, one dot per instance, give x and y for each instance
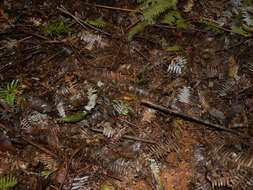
(98, 23)
(8, 181)
(153, 9)
(209, 26)
(175, 48)
(8, 95)
(57, 28)
(72, 118)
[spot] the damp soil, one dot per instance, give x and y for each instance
(169, 109)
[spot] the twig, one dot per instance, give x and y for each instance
(81, 22)
(222, 28)
(40, 147)
(6, 128)
(126, 136)
(197, 120)
(109, 7)
(29, 141)
(69, 164)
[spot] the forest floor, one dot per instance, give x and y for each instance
(89, 102)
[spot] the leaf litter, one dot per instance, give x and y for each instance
(81, 116)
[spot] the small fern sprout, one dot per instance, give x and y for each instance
(8, 95)
(8, 181)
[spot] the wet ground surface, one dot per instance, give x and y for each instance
(84, 107)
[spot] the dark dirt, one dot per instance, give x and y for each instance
(82, 107)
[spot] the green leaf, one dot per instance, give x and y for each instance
(72, 118)
(47, 173)
(174, 48)
(98, 23)
(124, 112)
(239, 30)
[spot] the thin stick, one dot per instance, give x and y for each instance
(177, 113)
(109, 7)
(42, 148)
(126, 136)
(222, 28)
(80, 21)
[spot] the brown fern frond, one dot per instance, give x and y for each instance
(119, 134)
(157, 151)
(225, 153)
(250, 66)
(232, 178)
(229, 154)
(108, 130)
(118, 167)
(47, 160)
(162, 149)
(244, 159)
(226, 87)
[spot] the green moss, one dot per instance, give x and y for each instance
(57, 28)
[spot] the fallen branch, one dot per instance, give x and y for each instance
(197, 120)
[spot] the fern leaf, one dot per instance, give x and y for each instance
(137, 28)
(169, 18)
(3, 94)
(156, 9)
(182, 24)
(9, 94)
(152, 9)
(8, 181)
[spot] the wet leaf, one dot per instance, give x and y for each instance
(175, 48)
(72, 118)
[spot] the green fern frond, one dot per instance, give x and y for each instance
(8, 181)
(98, 23)
(137, 28)
(58, 28)
(152, 9)
(182, 24)
(174, 17)
(8, 95)
(169, 18)
(156, 9)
